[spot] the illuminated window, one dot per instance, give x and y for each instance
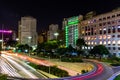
(91, 47)
(100, 42)
(88, 38)
(82, 47)
(100, 31)
(104, 36)
(113, 42)
(85, 47)
(109, 36)
(113, 29)
(85, 38)
(88, 47)
(92, 43)
(109, 42)
(104, 30)
(100, 37)
(118, 28)
(83, 32)
(104, 42)
(118, 42)
(95, 43)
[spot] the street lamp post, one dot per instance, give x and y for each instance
(49, 65)
(49, 61)
(56, 35)
(60, 58)
(29, 43)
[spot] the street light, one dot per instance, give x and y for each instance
(56, 35)
(49, 65)
(29, 43)
(49, 61)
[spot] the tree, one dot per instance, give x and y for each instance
(99, 50)
(80, 42)
(24, 47)
(12, 43)
(3, 77)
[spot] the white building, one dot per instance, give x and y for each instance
(27, 31)
(103, 29)
(53, 28)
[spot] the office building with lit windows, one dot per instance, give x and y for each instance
(103, 29)
(27, 31)
(70, 26)
(53, 28)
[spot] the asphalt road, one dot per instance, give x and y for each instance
(17, 68)
(107, 72)
(102, 72)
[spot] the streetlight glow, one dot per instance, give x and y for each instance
(29, 37)
(29, 43)
(56, 34)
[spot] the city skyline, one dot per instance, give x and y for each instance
(49, 12)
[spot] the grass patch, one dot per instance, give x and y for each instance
(51, 69)
(117, 78)
(3, 77)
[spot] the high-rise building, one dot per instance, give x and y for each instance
(103, 29)
(70, 26)
(40, 39)
(14, 35)
(27, 31)
(53, 28)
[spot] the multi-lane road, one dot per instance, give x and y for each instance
(16, 67)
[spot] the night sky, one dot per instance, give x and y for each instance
(49, 11)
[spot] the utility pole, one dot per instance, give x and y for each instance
(2, 36)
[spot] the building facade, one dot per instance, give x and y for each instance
(102, 29)
(70, 26)
(53, 28)
(27, 31)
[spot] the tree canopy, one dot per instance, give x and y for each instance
(80, 42)
(99, 50)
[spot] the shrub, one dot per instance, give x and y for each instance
(84, 71)
(53, 70)
(65, 59)
(3, 77)
(115, 64)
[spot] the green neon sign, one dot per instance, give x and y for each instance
(73, 20)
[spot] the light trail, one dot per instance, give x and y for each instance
(21, 68)
(6, 68)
